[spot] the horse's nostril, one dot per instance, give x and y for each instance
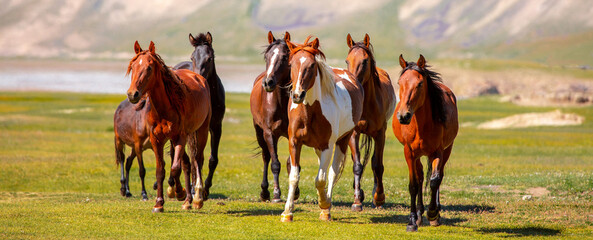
(136, 94)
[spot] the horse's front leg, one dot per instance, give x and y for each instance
(294, 148)
(129, 162)
(215, 134)
(141, 169)
(157, 147)
(334, 173)
(197, 145)
(357, 169)
(438, 160)
(178, 144)
(413, 188)
(377, 164)
(321, 180)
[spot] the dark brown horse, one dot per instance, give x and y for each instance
(203, 64)
(130, 127)
(269, 108)
(326, 106)
(379, 103)
(427, 126)
(180, 112)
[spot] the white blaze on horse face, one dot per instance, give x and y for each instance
(140, 61)
(298, 89)
(272, 62)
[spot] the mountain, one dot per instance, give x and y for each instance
(550, 32)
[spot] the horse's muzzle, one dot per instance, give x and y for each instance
(404, 118)
(269, 85)
(134, 97)
(298, 97)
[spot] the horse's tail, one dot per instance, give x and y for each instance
(119, 153)
(366, 149)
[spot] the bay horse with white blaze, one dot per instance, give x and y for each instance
(427, 126)
(326, 106)
(269, 107)
(378, 106)
(203, 64)
(180, 112)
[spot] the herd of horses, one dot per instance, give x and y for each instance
(298, 97)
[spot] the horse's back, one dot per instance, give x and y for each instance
(198, 101)
(183, 65)
(452, 121)
(387, 92)
(255, 98)
(129, 121)
(346, 82)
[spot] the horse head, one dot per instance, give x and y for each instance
(144, 67)
(412, 88)
(203, 56)
(360, 60)
(276, 56)
(303, 67)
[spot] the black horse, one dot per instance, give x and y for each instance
(203, 64)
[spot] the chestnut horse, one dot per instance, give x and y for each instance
(269, 108)
(203, 64)
(130, 127)
(180, 112)
(378, 106)
(427, 126)
(326, 106)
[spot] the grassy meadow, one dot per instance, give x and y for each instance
(59, 180)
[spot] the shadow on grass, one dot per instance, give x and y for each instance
(259, 212)
(368, 205)
(403, 219)
(523, 231)
(217, 196)
(468, 208)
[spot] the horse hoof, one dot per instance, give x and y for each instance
(264, 196)
(144, 197)
(325, 216)
(128, 194)
(286, 217)
(277, 200)
(198, 204)
(379, 200)
(155, 186)
(206, 194)
(412, 228)
(435, 220)
(157, 210)
(122, 191)
(186, 206)
(181, 196)
(357, 207)
(170, 192)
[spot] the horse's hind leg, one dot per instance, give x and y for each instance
(413, 189)
(357, 169)
(187, 172)
(321, 180)
(176, 165)
(197, 145)
(141, 172)
(215, 133)
(438, 161)
(129, 162)
(297, 191)
(377, 164)
(119, 158)
(335, 172)
(264, 195)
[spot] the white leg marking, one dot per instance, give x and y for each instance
(293, 182)
(321, 180)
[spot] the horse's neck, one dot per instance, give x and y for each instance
(315, 93)
(161, 100)
(424, 113)
(370, 84)
(213, 78)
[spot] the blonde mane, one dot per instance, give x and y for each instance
(326, 78)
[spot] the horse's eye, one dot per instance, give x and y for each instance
(149, 68)
(420, 84)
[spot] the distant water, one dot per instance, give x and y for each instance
(234, 78)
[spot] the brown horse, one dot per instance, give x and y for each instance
(180, 112)
(203, 64)
(326, 106)
(378, 106)
(427, 126)
(269, 108)
(130, 127)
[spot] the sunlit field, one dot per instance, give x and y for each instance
(59, 179)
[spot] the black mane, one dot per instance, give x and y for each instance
(201, 39)
(435, 92)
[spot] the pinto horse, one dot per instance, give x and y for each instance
(378, 106)
(203, 64)
(269, 108)
(326, 106)
(427, 126)
(180, 112)
(131, 129)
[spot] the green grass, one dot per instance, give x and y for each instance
(58, 180)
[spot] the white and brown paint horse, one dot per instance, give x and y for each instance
(379, 104)
(325, 108)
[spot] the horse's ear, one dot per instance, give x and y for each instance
(271, 37)
(286, 36)
(151, 48)
(315, 43)
(402, 62)
(290, 45)
(349, 41)
(421, 62)
(209, 38)
(192, 40)
(137, 47)
(367, 40)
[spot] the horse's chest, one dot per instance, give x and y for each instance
(163, 129)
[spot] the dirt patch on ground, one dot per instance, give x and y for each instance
(538, 191)
(554, 118)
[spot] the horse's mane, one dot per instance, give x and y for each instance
(435, 92)
(309, 49)
(200, 40)
(369, 50)
(274, 43)
(174, 87)
(328, 83)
